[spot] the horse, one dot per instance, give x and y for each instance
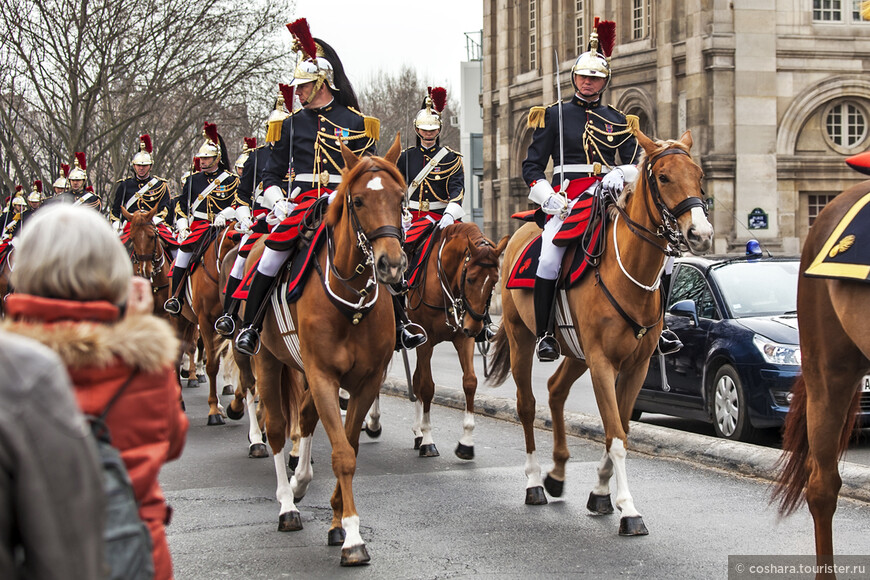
(340, 332)
(616, 316)
(6, 264)
(450, 303)
(835, 353)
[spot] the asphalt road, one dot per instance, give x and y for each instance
(447, 518)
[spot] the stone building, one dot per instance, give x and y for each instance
(776, 94)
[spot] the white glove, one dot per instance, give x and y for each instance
(282, 209)
(243, 217)
(181, 231)
(294, 193)
(116, 225)
(554, 205)
(452, 212)
(331, 197)
(446, 220)
(219, 221)
(182, 235)
(407, 220)
(156, 220)
(614, 181)
(272, 194)
(225, 215)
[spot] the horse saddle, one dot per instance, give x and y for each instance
(420, 253)
(846, 252)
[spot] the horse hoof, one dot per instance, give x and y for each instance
(372, 433)
(428, 450)
(215, 420)
(355, 556)
(417, 442)
(335, 537)
(289, 522)
(185, 374)
(235, 415)
(192, 383)
(257, 451)
(228, 390)
(599, 504)
(464, 451)
(632, 526)
(553, 486)
(536, 496)
(201, 379)
(342, 402)
(292, 462)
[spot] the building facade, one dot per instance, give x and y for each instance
(776, 94)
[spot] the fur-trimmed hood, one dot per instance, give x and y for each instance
(142, 341)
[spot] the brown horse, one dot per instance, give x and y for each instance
(340, 332)
(5, 273)
(201, 308)
(609, 322)
(835, 353)
(450, 303)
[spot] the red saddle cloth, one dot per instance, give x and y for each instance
(420, 248)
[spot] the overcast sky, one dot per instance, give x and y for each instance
(369, 35)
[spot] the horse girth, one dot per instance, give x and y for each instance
(638, 329)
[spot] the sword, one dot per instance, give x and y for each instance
(564, 184)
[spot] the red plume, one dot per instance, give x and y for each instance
(439, 98)
(287, 92)
(196, 167)
(37, 185)
(606, 36)
(146, 139)
(302, 33)
(90, 189)
(80, 156)
(251, 142)
(65, 169)
(211, 132)
(18, 188)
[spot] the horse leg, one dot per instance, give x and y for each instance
(212, 366)
(559, 386)
(372, 424)
(303, 473)
(424, 388)
(465, 349)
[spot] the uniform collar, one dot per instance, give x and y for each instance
(585, 104)
(325, 108)
(431, 150)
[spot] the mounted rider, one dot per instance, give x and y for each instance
(78, 193)
(61, 184)
(310, 148)
(593, 147)
(36, 197)
(13, 214)
(209, 198)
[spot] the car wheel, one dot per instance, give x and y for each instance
(730, 415)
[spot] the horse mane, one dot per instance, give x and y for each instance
(366, 163)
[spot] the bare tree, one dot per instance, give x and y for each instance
(92, 75)
(395, 100)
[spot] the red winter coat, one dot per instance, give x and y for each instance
(100, 351)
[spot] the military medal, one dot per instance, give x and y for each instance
(609, 129)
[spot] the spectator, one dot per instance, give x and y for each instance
(50, 479)
(76, 294)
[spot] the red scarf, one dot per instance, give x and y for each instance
(26, 307)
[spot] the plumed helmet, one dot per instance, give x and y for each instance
(79, 171)
(250, 144)
(311, 62)
(36, 194)
(19, 196)
(62, 182)
(429, 116)
(595, 62)
(211, 147)
(143, 155)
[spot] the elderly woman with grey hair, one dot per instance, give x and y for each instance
(75, 293)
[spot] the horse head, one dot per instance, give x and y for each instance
(673, 181)
(370, 196)
(145, 247)
(477, 274)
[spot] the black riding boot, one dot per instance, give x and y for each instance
(669, 342)
(404, 337)
(545, 293)
(226, 324)
(248, 340)
(176, 301)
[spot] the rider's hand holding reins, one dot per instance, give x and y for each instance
(615, 180)
(551, 203)
(452, 212)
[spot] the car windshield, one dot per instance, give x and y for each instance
(758, 288)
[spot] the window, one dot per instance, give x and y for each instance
(578, 27)
(816, 203)
(827, 10)
(689, 284)
(845, 125)
(640, 19)
(533, 34)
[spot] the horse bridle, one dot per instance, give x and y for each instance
(157, 259)
(458, 306)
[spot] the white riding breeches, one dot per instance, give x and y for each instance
(182, 259)
(550, 261)
(238, 271)
(272, 261)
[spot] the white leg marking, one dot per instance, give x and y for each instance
(418, 418)
(468, 429)
(351, 532)
(533, 471)
(373, 419)
(605, 472)
(284, 493)
(254, 433)
(623, 502)
(304, 472)
(426, 429)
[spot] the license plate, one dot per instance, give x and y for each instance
(865, 384)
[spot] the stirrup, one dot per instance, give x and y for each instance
(172, 306)
(489, 331)
(248, 334)
(669, 342)
(225, 325)
(410, 340)
(548, 348)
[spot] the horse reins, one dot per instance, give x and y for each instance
(458, 306)
(157, 259)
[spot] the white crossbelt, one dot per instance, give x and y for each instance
(594, 168)
(432, 204)
(204, 194)
(138, 195)
(426, 170)
(85, 199)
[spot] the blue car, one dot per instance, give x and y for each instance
(737, 319)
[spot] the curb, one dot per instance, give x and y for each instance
(653, 440)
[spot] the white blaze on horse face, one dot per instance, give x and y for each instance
(702, 226)
(375, 184)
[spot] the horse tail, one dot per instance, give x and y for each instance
(793, 470)
(499, 358)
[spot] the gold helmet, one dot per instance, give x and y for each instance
(62, 182)
(429, 116)
(212, 145)
(79, 170)
(249, 145)
(36, 194)
(595, 62)
(19, 197)
(143, 156)
(311, 62)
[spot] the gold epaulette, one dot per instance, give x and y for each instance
(633, 123)
(536, 117)
(457, 153)
(373, 128)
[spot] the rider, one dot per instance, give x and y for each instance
(78, 194)
(35, 199)
(13, 214)
(142, 192)
(594, 135)
(208, 199)
(61, 184)
(310, 147)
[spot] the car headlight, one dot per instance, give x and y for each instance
(776, 353)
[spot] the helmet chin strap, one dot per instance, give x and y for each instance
(317, 84)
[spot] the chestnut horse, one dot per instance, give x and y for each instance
(612, 322)
(340, 333)
(450, 303)
(835, 353)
